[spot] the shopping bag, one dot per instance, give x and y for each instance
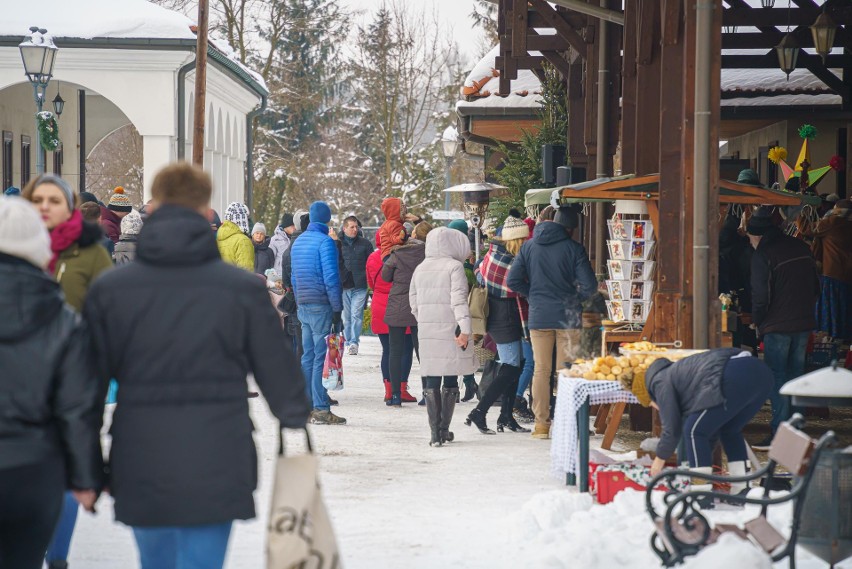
(477, 302)
(332, 368)
(299, 534)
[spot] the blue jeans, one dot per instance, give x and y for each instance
(60, 543)
(785, 356)
(529, 366)
(746, 382)
(185, 547)
(510, 353)
(316, 325)
(354, 300)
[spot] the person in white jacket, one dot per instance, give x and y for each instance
(438, 298)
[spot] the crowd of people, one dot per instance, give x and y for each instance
(171, 308)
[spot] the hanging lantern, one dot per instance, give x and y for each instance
(823, 30)
(58, 104)
(788, 53)
(767, 3)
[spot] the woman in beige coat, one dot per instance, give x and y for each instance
(438, 297)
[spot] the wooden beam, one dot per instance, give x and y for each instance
(628, 90)
(519, 28)
(555, 21)
(537, 42)
(748, 16)
(758, 40)
(559, 62)
(770, 61)
(649, 73)
(527, 62)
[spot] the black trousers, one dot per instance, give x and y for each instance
(400, 351)
(30, 503)
(434, 381)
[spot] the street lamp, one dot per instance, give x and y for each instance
(788, 53)
(823, 31)
(449, 146)
(38, 54)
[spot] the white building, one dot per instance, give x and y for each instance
(121, 63)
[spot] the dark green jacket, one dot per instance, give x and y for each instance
(80, 264)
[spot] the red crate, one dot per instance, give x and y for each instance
(612, 482)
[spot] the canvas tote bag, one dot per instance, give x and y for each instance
(299, 534)
(477, 301)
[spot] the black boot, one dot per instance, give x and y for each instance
(57, 565)
(506, 419)
(470, 389)
(449, 396)
(433, 409)
(522, 411)
(477, 417)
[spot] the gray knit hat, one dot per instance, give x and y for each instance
(22, 232)
(258, 228)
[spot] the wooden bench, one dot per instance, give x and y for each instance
(682, 530)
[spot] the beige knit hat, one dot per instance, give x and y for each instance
(22, 232)
(514, 228)
(119, 201)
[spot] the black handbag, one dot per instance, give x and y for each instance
(489, 374)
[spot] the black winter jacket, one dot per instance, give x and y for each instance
(504, 320)
(180, 330)
(398, 270)
(355, 258)
(51, 403)
(553, 272)
(784, 285)
(264, 257)
(687, 386)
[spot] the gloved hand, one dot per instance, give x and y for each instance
(337, 322)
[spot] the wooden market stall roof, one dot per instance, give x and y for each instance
(646, 188)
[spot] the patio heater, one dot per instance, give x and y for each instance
(826, 518)
(38, 54)
(475, 204)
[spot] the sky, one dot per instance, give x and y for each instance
(454, 14)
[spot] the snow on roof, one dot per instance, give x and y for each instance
(803, 88)
(90, 19)
(87, 19)
(481, 88)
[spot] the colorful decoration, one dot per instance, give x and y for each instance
(837, 163)
(48, 131)
(808, 131)
(777, 153)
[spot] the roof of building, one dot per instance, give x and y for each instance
(98, 23)
(480, 92)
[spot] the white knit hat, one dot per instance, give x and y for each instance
(131, 224)
(22, 232)
(514, 228)
(258, 228)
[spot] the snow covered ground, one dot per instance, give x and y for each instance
(480, 502)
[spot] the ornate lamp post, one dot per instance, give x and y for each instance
(38, 54)
(449, 146)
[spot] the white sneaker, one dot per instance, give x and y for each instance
(353, 349)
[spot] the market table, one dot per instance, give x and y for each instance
(569, 449)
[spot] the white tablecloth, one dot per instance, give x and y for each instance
(572, 392)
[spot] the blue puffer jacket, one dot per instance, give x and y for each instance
(315, 273)
(553, 272)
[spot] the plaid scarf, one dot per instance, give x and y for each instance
(494, 270)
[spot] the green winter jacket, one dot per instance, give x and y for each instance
(79, 264)
(235, 247)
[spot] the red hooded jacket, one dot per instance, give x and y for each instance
(388, 234)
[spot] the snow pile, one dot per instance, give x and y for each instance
(729, 551)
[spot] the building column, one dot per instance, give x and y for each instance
(156, 154)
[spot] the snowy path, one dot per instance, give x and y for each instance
(394, 500)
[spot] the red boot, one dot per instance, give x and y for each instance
(406, 396)
(388, 391)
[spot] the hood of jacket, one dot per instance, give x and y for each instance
(91, 234)
(175, 236)
(227, 230)
(392, 209)
(547, 233)
(446, 242)
(29, 298)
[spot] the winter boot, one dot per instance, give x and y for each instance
(449, 396)
(326, 418)
(394, 401)
(470, 389)
(388, 390)
(701, 485)
(57, 565)
(405, 395)
(737, 469)
(506, 419)
(433, 408)
(522, 411)
(477, 417)
(541, 431)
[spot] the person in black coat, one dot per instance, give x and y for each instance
(51, 403)
(180, 331)
(355, 251)
(264, 255)
(704, 397)
(785, 288)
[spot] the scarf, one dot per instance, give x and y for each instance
(63, 236)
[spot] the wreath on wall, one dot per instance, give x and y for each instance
(48, 131)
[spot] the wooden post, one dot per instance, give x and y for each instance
(200, 85)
